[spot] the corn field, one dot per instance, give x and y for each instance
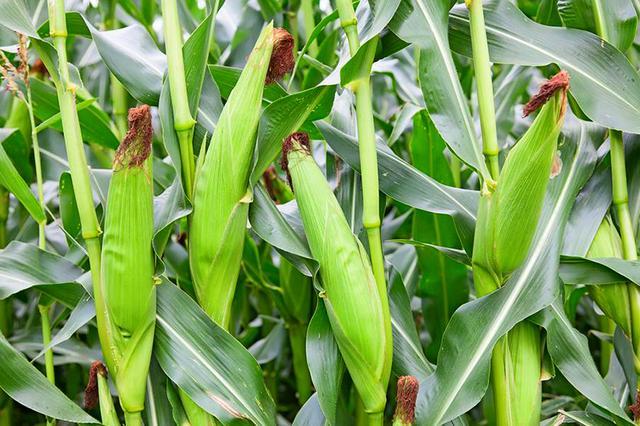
(319, 212)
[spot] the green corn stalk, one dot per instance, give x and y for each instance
(297, 294)
(482, 70)
(368, 166)
(221, 194)
(360, 321)
(502, 240)
(183, 121)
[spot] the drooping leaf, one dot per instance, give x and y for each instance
(424, 23)
(24, 383)
(207, 363)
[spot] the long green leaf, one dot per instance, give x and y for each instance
(25, 384)
(11, 180)
(424, 23)
(213, 368)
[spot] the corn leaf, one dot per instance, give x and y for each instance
(325, 364)
(24, 383)
(206, 362)
(424, 23)
(11, 180)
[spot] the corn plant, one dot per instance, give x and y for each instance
(305, 212)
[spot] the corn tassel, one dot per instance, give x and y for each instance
(360, 323)
(127, 263)
(221, 193)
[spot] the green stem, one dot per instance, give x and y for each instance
(119, 94)
(79, 170)
(6, 312)
(298, 340)
(46, 340)
(482, 69)
(133, 419)
(621, 205)
(48, 355)
(309, 25)
(183, 122)
(369, 174)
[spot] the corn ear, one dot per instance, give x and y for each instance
(221, 194)
(127, 262)
(612, 299)
(350, 293)
(510, 214)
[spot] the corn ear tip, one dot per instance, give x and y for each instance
(136, 145)
(91, 391)
(408, 387)
(298, 141)
(560, 81)
(282, 60)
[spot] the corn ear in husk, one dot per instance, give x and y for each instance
(509, 215)
(612, 299)
(360, 325)
(221, 194)
(128, 265)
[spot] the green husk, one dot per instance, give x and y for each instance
(221, 194)
(128, 266)
(612, 299)
(350, 293)
(509, 215)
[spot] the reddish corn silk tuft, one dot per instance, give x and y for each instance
(298, 138)
(635, 408)
(136, 145)
(559, 81)
(91, 391)
(282, 60)
(269, 177)
(406, 399)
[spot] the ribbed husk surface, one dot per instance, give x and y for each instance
(128, 265)
(508, 216)
(221, 194)
(612, 299)
(350, 292)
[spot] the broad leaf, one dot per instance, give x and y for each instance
(424, 23)
(207, 363)
(28, 386)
